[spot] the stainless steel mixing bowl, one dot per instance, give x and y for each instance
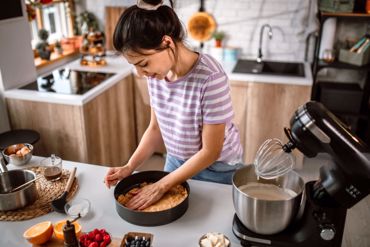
(19, 198)
(266, 216)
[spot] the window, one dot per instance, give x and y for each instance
(55, 18)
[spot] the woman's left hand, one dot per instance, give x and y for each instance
(146, 196)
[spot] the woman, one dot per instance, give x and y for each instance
(190, 102)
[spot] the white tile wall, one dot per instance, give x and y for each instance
(242, 19)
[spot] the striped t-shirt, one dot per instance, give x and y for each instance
(202, 96)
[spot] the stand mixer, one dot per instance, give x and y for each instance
(320, 222)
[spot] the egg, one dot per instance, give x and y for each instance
(25, 150)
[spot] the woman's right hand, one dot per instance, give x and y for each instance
(116, 174)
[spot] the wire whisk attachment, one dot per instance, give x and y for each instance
(273, 160)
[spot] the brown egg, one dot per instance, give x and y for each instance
(25, 150)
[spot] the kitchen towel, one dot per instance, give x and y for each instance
(328, 35)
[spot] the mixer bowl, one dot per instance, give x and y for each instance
(266, 216)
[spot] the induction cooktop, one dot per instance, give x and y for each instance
(68, 81)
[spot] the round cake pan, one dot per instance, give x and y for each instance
(147, 218)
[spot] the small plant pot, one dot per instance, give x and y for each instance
(59, 51)
(44, 54)
(218, 43)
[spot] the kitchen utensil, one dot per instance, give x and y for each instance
(272, 160)
(266, 212)
(341, 185)
(15, 159)
(20, 198)
(201, 25)
(52, 167)
(25, 184)
(18, 136)
(147, 218)
(58, 204)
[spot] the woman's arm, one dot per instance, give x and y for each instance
(151, 139)
(212, 142)
(149, 143)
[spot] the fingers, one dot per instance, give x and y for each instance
(112, 177)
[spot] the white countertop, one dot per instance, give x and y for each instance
(290, 80)
(118, 65)
(210, 210)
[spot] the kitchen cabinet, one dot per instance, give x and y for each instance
(262, 110)
(100, 131)
(142, 110)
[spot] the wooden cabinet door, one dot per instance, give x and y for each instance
(109, 121)
(143, 109)
(262, 110)
(60, 126)
(239, 98)
(270, 107)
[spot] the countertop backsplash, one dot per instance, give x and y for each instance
(292, 21)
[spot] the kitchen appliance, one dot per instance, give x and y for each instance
(147, 218)
(11, 179)
(68, 81)
(314, 129)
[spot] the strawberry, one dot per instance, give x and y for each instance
(98, 237)
(103, 231)
(91, 235)
(94, 244)
(96, 231)
(103, 244)
(106, 239)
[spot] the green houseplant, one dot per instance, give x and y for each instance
(42, 46)
(218, 36)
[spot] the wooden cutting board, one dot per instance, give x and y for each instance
(54, 242)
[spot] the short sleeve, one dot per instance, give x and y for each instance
(216, 101)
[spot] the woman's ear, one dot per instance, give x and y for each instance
(167, 41)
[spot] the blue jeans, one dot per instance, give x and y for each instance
(218, 172)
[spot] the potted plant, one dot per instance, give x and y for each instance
(88, 22)
(42, 46)
(218, 36)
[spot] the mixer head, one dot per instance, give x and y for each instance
(273, 160)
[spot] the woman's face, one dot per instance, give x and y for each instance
(151, 63)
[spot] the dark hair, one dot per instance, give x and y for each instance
(139, 28)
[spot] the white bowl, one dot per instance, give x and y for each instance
(77, 206)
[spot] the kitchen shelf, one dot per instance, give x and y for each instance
(339, 65)
(362, 126)
(345, 15)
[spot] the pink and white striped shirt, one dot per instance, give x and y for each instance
(182, 107)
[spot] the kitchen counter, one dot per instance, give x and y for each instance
(121, 68)
(210, 209)
(116, 65)
(290, 80)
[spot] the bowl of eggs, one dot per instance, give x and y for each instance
(18, 154)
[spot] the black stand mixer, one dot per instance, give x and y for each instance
(313, 130)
